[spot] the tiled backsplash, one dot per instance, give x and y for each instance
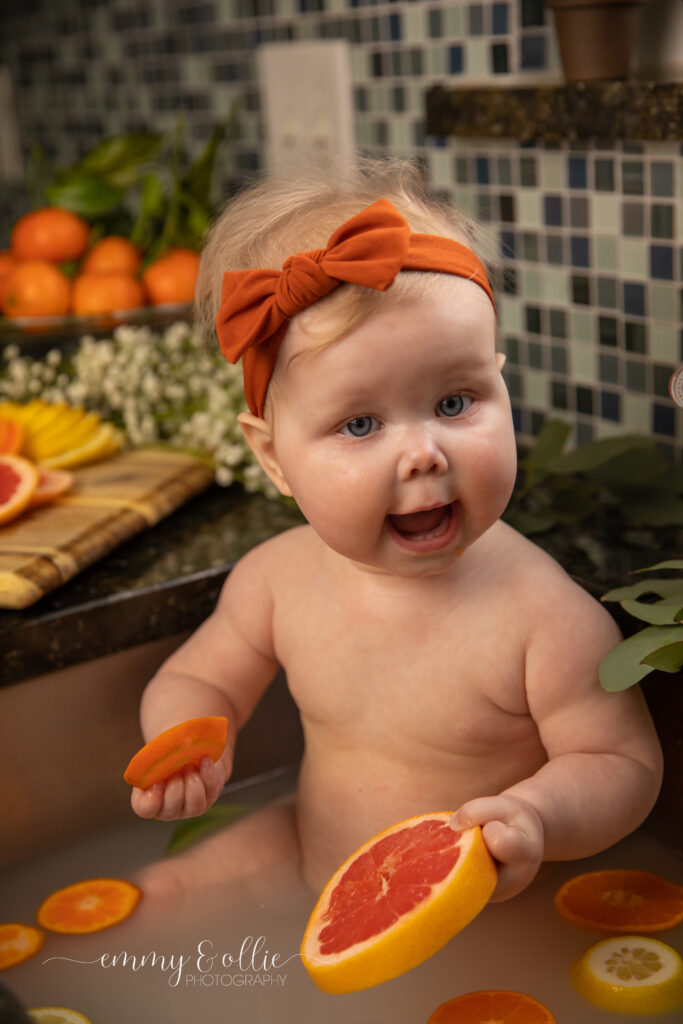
(590, 234)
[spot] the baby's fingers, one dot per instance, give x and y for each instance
(518, 858)
(147, 802)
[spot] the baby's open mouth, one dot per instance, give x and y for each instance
(425, 525)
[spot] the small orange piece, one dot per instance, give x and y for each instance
(492, 1007)
(395, 902)
(172, 277)
(95, 293)
(18, 481)
(88, 906)
(18, 942)
(36, 288)
(7, 261)
(50, 234)
(621, 902)
(11, 436)
(112, 254)
(52, 483)
(175, 748)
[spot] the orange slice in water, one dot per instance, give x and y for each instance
(176, 748)
(18, 481)
(621, 901)
(18, 942)
(395, 902)
(492, 1007)
(88, 906)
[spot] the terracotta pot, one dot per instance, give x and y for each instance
(597, 38)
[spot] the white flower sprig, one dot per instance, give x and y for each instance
(158, 387)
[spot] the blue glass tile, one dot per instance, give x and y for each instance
(553, 211)
(439, 141)
(662, 262)
(610, 406)
(664, 420)
(532, 52)
(499, 19)
(482, 169)
(455, 60)
(508, 244)
(395, 28)
(516, 419)
(577, 172)
(634, 299)
(578, 247)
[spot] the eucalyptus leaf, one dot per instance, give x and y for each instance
(530, 523)
(661, 613)
(625, 664)
(654, 508)
(597, 453)
(86, 195)
(193, 829)
(549, 443)
(672, 563)
(635, 467)
(667, 659)
(660, 587)
(118, 159)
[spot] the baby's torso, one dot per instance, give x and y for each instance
(409, 704)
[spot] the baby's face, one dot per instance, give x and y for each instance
(397, 441)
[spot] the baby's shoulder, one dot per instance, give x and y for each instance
(280, 555)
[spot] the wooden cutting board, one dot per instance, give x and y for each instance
(109, 502)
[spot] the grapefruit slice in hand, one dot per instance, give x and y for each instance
(395, 902)
(176, 748)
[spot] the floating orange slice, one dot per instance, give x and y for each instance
(395, 902)
(88, 906)
(17, 943)
(631, 974)
(176, 748)
(18, 481)
(621, 901)
(492, 1007)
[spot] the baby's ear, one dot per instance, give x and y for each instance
(259, 437)
(500, 360)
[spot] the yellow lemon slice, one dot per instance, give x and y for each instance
(57, 1015)
(631, 974)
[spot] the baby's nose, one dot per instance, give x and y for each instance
(421, 455)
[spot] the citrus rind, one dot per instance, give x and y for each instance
(57, 1015)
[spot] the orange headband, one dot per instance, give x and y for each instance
(369, 249)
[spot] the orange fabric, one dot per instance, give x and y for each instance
(368, 249)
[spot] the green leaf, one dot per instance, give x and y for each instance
(549, 443)
(572, 501)
(661, 613)
(632, 468)
(654, 508)
(151, 205)
(597, 453)
(118, 159)
(193, 829)
(660, 587)
(667, 659)
(672, 563)
(625, 665)
(86, 195)
(529, 523)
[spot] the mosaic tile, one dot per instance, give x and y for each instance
(637, 412)
(584, 361)
(606, 214)
(582, 326)
(664, 344)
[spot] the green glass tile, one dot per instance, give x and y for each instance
(662, 178)
(414, 23)
(529, 247)
(555, 249)
(466, 200)
(606, 253)
(635, 337)
(453, 20)
(556, 286)
(435, 60)
(662, 220)
(633, 219)
(529, 212)
(578, 212)
(636, 413)
(440, 167)
(379, 99)
(662, 302)
(633, 177)
(660, 377)
(582, 326)
(558, 323)
(664, 343)
(364, 132)
(536, 385)
(636, 378)
(604, 175)
(511, 316)
(634, 257)
(477, 57)
(608, 331)
(584, 360)
(607, 292)
(528, 174)
(608, 367)
(606, 214)
(462, 170)
(530, 283)
(535, 355)
(401, 133)
(558, 359)
(504, 168)
(553, 170)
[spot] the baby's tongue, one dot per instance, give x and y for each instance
(418, 522)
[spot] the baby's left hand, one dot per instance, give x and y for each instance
(513, 832)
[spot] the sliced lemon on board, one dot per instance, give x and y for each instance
(57, 1015)
(631, 974)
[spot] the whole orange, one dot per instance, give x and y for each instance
(103, 293)
(172, 277)
(36, 288)
(113, 253)
(7, 261)
(50, 234)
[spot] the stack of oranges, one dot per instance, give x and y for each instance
(108, 273)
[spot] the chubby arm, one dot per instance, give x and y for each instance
(604, 766)
(222, 669)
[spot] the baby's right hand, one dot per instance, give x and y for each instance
(184, 795)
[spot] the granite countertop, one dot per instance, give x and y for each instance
(167, 579)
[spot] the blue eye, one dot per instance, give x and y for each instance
(453, 405)
(359, 426)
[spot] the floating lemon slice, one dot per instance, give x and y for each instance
(631, 974)
(57, 1015)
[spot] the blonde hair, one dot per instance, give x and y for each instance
(276, 217)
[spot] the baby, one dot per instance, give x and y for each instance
(439, 660)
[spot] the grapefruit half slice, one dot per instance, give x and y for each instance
(395, 902)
